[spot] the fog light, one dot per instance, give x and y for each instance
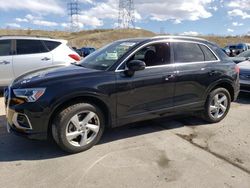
(21, 121)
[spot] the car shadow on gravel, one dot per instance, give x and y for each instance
(15, 148)
(151, 126)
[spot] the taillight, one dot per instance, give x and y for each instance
(75, 57)
(237, 69)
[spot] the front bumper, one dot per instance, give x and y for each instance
(27, 119)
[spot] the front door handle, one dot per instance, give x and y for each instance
(45, 59)
(4, 62)
(169, 77)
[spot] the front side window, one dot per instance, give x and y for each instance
(29, 47)
(5, 47)
(105, 57)
(187, 52)
(153, 55)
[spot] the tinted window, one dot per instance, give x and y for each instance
(153, 55)
(209, 56)
(187, 52)
(51, 45)
(5, 47)
(30, 47)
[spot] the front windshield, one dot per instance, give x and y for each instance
(105, 57)
(244, 54)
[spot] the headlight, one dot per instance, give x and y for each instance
(30, 95)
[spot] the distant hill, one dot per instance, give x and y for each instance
(101, 37)
(95, 38)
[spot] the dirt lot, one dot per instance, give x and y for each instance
(180, 152)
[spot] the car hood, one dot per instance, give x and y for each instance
(51, 73)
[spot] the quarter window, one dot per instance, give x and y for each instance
(5, 47)
(51, 45)
(209, 56)
(30, 47)
(187, 52)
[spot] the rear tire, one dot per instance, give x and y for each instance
(217, 105)
(78, 127)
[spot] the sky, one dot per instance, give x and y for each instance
(190, 17)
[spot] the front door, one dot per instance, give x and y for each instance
(149, 92)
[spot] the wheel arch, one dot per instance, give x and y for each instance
(227, 84)
(94, 100)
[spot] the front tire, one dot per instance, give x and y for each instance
(217, 105)
(78, 127)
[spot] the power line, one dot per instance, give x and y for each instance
(74, 11)
(126, 17)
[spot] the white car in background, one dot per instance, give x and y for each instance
(21, 54)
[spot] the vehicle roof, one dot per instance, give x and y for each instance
(29, 38)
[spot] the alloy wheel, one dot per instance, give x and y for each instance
(218, 105)
(82, 128)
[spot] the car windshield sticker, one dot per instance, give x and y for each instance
(129, 44)
(111, 56)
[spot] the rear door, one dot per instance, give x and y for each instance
(30, 55)
(6, 71)
(194, 74)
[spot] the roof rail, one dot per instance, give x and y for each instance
(34, 36)
(178, 36)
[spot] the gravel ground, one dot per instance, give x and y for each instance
(171, 152)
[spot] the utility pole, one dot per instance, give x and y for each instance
(126, 17)
(73, 11)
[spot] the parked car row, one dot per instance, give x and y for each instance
(235, 49)
(127, 81)
(242, 57)
(19, 55)
(85, 51)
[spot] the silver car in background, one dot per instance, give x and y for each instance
(244, 76)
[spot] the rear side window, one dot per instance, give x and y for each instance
(5, 47)
(51, 45)
(187, 52)
(209, 56)
(29, 47)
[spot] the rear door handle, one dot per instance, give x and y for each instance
(4, 62)
(45, 59)
(169, 77)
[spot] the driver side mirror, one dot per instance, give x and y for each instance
(134, 65)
